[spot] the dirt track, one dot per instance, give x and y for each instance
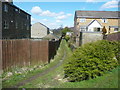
(40, 74)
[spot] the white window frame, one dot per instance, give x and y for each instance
(5, 8)
(82, 20)
(6, 24)
(104, 20)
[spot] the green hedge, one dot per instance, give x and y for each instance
(91, 60)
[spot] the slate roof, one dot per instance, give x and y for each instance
(51, 36)
(41, 24)
(97, 14)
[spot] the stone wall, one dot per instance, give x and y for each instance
(87, 37)
(113, 37)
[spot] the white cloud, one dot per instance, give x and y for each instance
(69, 14)
(50, 14)
(45, 20)
(55, 17)
(90, 0)
(58, 21)
(36, 10)
(63, 16)
(110, 4)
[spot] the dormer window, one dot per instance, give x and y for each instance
(82, 20)
(104, 20)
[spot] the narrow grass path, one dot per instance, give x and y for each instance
(62, 56)
(40, 74)
(55, 76)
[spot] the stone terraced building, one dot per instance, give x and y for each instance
(14, 22)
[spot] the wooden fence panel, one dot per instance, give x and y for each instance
(1, 56)
(24, 52)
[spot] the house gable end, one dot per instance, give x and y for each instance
(94, 26)
(94, 23)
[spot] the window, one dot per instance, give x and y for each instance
(82, 20)
(16, 25)
(19, 10)
(82, 28)
(5, 8)
(97, 29)
(104, 20)
(16, 10)
(6, 25)
(28, 27)
(115, 29)
(27, 17)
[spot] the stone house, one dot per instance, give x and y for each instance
(88, 25)
(14, 22)
(38, 30)
(94, 21)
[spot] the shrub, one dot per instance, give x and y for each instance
(116, 48)
(90, 61)
(67, 37)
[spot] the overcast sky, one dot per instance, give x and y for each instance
(55, 14)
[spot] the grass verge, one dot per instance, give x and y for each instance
(108, 80)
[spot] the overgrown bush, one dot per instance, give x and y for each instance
(91, 60)
(116, 48)
(67, 38)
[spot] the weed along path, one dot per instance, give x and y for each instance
(40, 74)
(50, 76)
